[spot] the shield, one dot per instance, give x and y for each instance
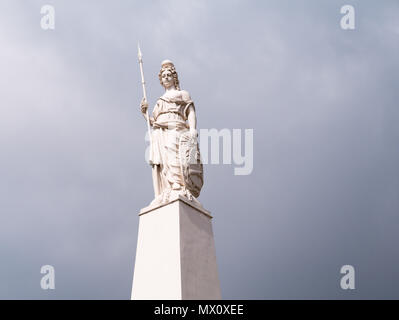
(190, 163)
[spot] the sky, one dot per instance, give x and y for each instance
(321, 101)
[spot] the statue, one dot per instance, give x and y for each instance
(174, 153)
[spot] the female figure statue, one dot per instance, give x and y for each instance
(174, 153)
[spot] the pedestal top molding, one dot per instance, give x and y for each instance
(192, 204)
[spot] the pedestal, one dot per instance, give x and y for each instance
(175, 257)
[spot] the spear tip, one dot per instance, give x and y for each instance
(138, 50)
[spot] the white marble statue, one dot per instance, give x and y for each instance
(174, 152)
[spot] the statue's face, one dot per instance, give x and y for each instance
(167, 79)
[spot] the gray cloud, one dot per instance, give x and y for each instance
(322, 103)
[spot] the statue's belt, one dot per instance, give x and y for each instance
(170, 125)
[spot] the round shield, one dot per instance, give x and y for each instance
(190, 162)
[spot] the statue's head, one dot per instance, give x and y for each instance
(168, 75)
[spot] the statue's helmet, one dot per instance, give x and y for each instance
(167, 63)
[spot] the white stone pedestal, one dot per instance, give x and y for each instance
(175, 257)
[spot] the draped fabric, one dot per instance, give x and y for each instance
(170, 117)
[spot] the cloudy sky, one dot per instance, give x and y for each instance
(322, 103)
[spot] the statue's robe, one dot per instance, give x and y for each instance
(170, 122)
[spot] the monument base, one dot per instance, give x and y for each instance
(175, 257)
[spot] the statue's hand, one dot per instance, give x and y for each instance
(144, 105)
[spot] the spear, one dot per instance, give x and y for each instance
(140, 56)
